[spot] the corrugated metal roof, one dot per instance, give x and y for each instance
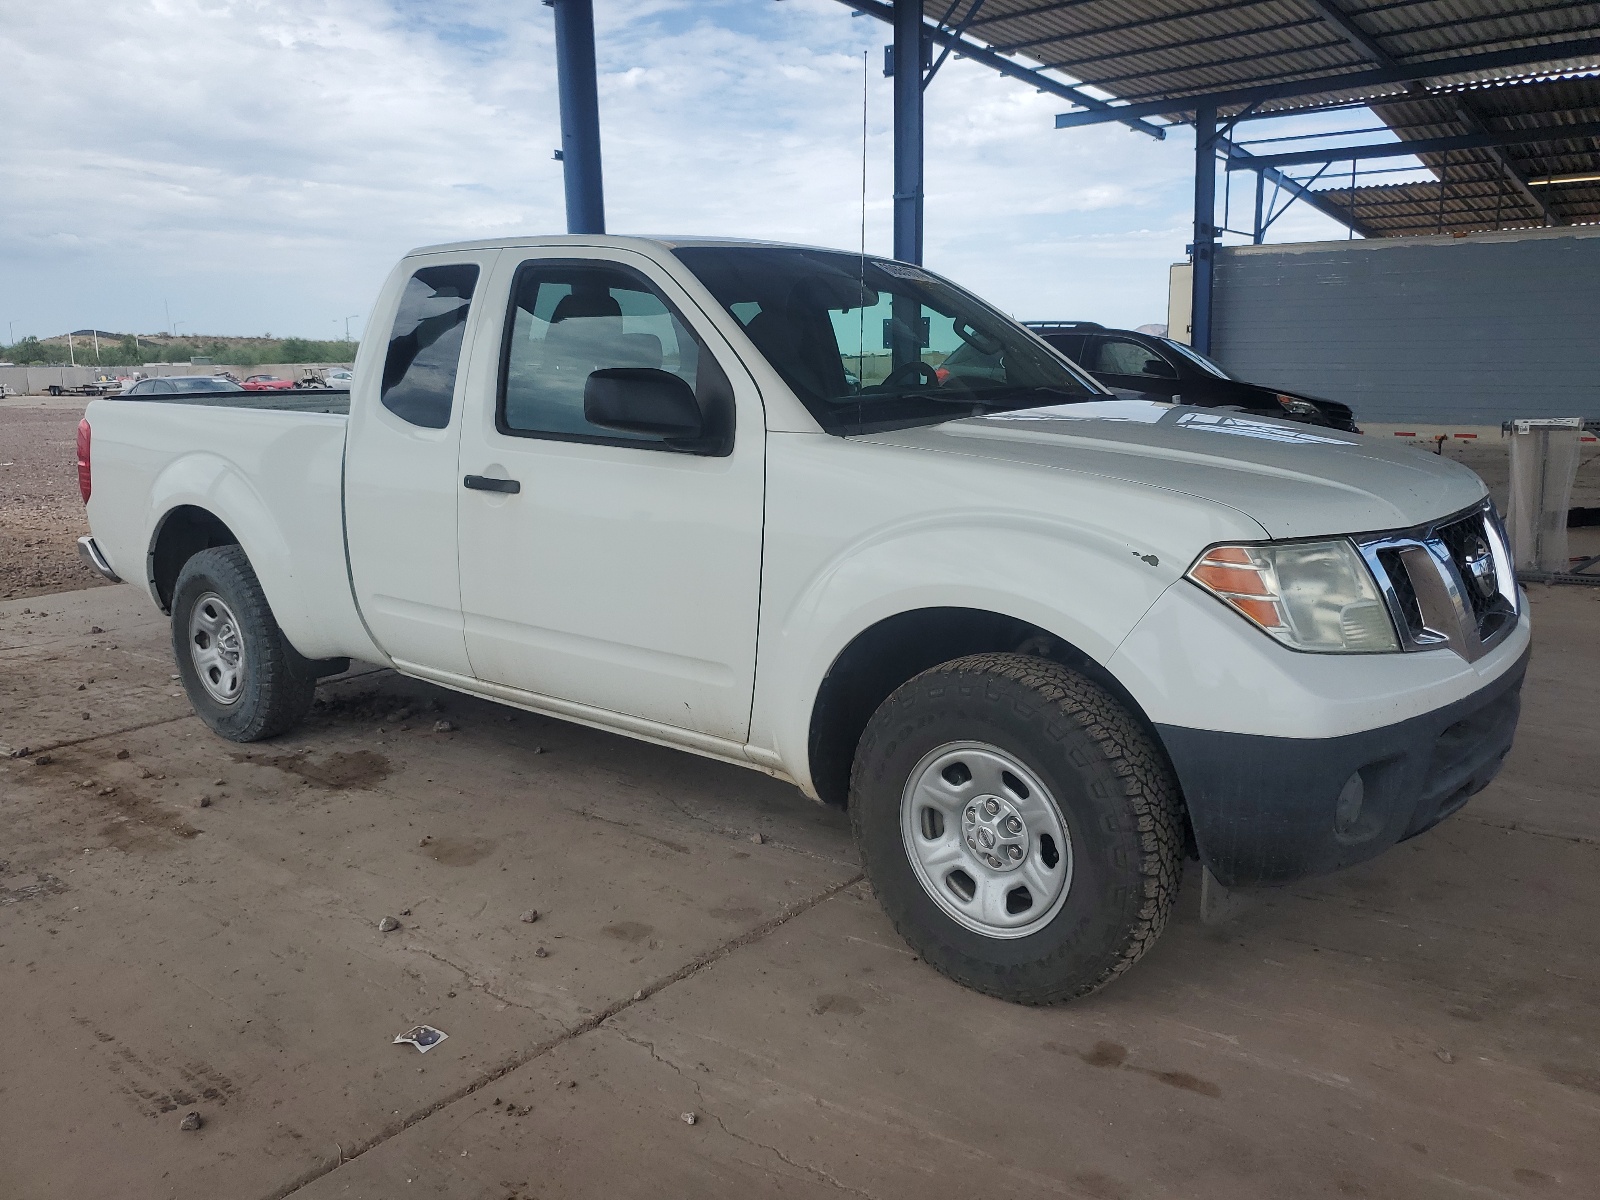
(1479, 188)
(1159, 49)
(1138, 50)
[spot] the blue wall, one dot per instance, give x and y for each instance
(1473, 330)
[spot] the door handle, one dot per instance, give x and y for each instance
(486, 483)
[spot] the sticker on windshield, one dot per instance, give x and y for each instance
(903, 271)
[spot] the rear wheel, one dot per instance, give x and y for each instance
(243, 677)
(1021, 829)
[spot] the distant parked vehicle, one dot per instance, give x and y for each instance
(172, 385)
(340, 378)
(1150, 367)
(99, 388)
(266, 383)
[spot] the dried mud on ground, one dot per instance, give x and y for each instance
(41, 514)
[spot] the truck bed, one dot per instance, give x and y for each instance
(269, 464)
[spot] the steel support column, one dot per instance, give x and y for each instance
(1205, 231)
(908, 130)
(1259, 233)
(580, 115)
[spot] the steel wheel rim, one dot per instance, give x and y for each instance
(968, 806)
(216, 648)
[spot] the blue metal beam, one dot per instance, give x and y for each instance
(1466, 64)
(1297, 190)
(1439, 145)
(1205, 230)
(580, 115)
(908, 45)
(996, 62)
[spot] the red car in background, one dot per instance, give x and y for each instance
(266, 383)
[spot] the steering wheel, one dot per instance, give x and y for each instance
(902, 374)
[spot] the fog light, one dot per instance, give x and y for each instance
(1347, 808)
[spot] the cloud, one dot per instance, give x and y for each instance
(259, 164)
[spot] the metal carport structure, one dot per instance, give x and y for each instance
(1495, 97)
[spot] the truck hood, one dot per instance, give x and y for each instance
(1293, 480)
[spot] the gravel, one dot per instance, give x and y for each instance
(41, 515)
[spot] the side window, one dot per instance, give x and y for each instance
(568, 320)
(1070, 344)
(1120, 356)
(419, 374)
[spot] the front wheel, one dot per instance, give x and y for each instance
(243, 677)
(1020, 828)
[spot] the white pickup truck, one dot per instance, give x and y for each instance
(748, 500)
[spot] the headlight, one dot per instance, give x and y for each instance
(1309, 595)
(1298, 408)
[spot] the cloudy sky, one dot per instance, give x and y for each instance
(255, 166)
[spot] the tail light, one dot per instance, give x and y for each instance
(83, 459)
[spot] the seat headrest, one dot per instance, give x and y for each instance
(586, 304)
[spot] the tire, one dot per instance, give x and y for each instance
(259, 685)
(1018, 726)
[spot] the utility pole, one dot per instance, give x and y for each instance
(347, 321)
(72, 353)
(95, 333)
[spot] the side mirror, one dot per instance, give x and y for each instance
(1159, 369)
(642, 400)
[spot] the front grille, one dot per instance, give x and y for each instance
(1447, 584)
(1404, 593)
(1465, 541)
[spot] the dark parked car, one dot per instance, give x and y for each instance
(169, 385)
(1158, 367)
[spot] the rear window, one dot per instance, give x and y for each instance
(202, 383)
(419, 371)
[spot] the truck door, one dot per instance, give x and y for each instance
(609, 569)
(401, 488)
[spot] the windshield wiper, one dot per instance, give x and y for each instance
(989, 398)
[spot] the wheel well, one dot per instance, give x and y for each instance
(182, 533)
(885, 655)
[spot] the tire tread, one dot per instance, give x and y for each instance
(1069, 700)
(284, 683)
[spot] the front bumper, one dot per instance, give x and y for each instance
(1264, 809)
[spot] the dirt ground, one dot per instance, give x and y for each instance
(41, 513)
(188, 925)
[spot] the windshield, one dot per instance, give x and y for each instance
(1198, 359)
(869, 344)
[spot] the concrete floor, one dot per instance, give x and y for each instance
(1427, 1025)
